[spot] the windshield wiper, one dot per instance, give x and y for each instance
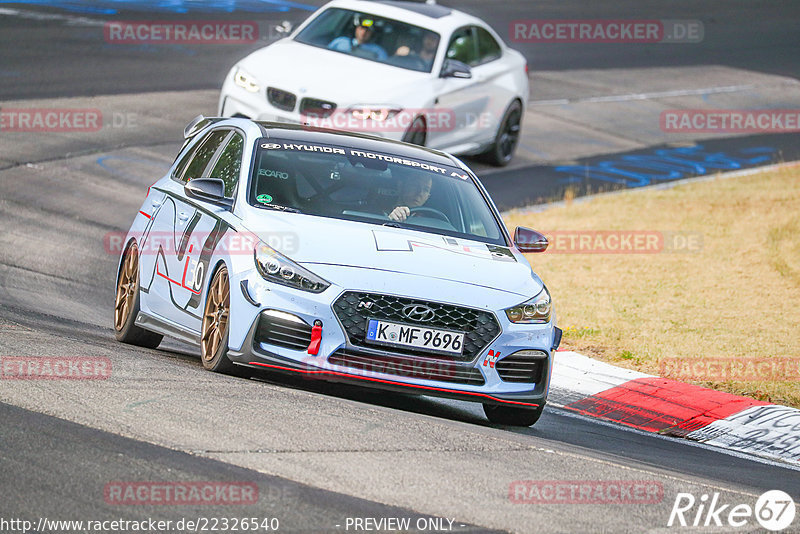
(392, 224)
(278, 207)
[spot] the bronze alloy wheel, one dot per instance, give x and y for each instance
(126, 304)
(215, 321)
(126, 288)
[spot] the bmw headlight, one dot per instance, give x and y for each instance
(277, 268)
(377, 113)
(246, 81)
(536, 310)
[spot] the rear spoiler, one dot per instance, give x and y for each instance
(198, 123)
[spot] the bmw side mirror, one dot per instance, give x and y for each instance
(528, 240)
(208, 189)
(284, 28)
(455, 69)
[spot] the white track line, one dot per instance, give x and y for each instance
(645, 96)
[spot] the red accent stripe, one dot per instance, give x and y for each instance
(146, 215)
(662, 405)
(162, 275)
(431, 388)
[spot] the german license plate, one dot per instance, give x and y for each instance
(418, 337)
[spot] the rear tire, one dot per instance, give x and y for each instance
(505, 142)
(216, 319)
(126, 304)
(511, 415)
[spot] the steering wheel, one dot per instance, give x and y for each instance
(431, 212)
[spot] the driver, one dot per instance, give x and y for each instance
(414, 192)
(360, 42)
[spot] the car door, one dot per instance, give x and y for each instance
(466, 100)
(184, 236)
(492, 74)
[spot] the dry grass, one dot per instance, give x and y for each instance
(737, 297)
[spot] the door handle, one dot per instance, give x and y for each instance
(156, 203)
(183, 216)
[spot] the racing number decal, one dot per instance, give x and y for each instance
(194, 266)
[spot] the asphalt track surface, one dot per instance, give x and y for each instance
(319, 453)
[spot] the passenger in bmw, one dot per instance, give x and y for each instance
(414, 192)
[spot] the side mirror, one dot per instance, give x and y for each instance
(284, 28)
(455, 69)
(528, 240)
(208, 189)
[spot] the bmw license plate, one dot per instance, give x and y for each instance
(418, 337)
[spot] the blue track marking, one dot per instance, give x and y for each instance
(113, 7)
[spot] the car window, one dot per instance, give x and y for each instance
(346, 183)
(202, 155)
(463, 47)
(382, 39)
(229, 164)
(488, 48)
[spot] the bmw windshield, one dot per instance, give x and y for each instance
(374, 38)
(352, 184)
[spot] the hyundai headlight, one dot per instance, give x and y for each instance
(277, 268)
(378, 113)
(536, 310)
(246, 81)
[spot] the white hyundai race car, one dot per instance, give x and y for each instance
(417, 72)
(341, 257)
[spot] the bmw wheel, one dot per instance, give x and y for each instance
(507, 138)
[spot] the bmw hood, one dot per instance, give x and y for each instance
(314, 241)
(309, 71)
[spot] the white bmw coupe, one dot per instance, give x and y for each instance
(417, 72)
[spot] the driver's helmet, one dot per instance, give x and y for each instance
(364, 20)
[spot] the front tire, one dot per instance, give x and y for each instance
(126, 304)
(507, 138)
(511, 415)
(216, 318)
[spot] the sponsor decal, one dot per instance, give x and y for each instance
(365, 155)
(264, 199)
(271, 173)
